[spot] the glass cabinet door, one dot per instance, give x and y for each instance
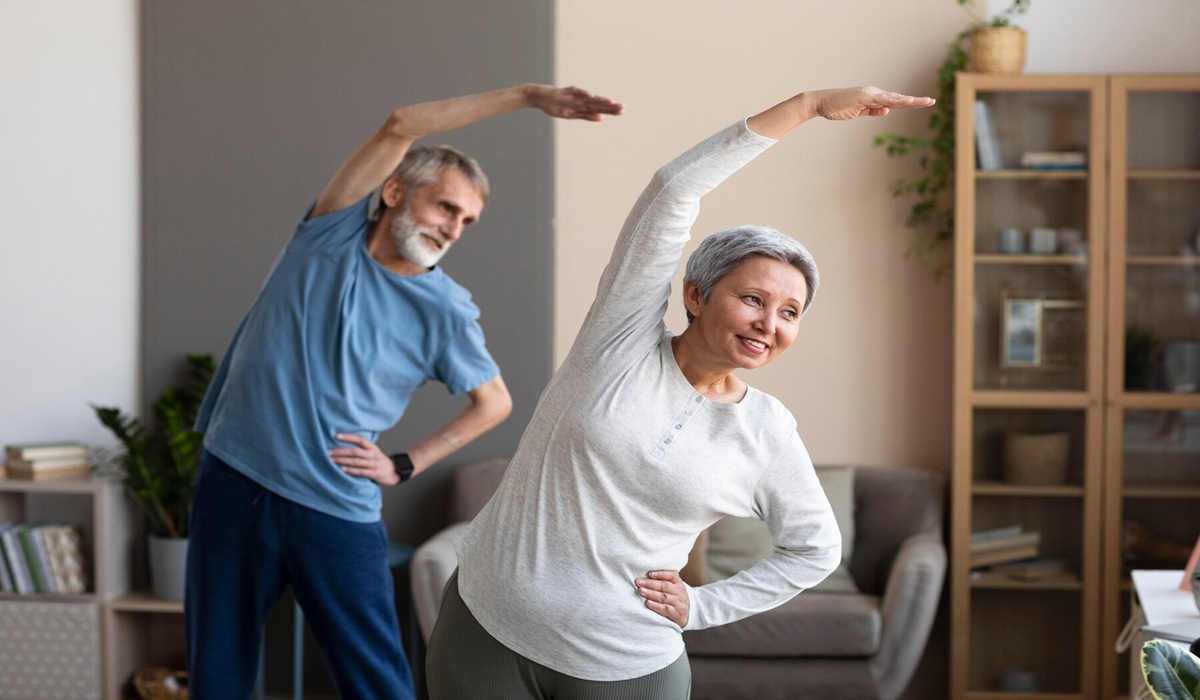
(1152, 434)
(1031, 238)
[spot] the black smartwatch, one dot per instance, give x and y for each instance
(403, 465)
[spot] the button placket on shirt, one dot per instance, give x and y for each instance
(677, 425)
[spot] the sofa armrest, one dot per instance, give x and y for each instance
(432, 565)
(910, 603)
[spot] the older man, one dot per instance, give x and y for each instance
(354, 317)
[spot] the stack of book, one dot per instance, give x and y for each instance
(47, 460)
(1002, 545)
(1055, 160)
(46, 559)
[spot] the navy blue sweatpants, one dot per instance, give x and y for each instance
(246, 544)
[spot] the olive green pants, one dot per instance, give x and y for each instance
(464, 662)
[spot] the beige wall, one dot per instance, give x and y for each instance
(869, 376)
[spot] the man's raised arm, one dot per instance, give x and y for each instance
(375, 160)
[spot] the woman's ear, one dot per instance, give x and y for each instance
(692, 298)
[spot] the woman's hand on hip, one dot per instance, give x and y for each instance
(365, 459)
(665, 594)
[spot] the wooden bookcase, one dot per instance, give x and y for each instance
(1039, 348)
(121, 628)
(99, 508)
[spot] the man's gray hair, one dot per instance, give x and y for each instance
(424, 165)
(724, 250)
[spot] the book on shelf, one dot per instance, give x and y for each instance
(46, 450)
(6, 581)
(36, 475)
(1003, 556)
(992, 544)
(47, 559)
(987, 143)
(992, 533)
(48, 467)
(14, 554)
(43, 464)
(38, 559)
(1035, 569)
(1054, 160)
(64, 544)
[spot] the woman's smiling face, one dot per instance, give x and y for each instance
(751, 314)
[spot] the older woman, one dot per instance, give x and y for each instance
(567, 584)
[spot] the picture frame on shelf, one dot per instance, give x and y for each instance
(1021, 333)
(1044, 334)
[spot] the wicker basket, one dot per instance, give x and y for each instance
(160, 683)
(998, 50)
(1036, 459)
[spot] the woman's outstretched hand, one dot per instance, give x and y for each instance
(571, 102)
(840, 104)
(851, 103)
(665, 594)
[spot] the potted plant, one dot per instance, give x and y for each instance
(931, 215)
(157, 466)
(1171, 673)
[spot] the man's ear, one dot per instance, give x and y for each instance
(692, 298)
(393, 192)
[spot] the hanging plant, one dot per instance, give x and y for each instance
(931, 216)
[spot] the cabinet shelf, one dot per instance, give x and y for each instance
(998, 488)
(1158, 401)
(1164, 174)
(1061, 582)
(1024, 398)
(85, 484)
(1000, 695)
(1029, 174)
(48, 598)
(1163, 260)
(141, 601)
(1026, 259)
(1171, 491)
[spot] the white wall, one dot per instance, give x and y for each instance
(1110, 36)
(69, 239)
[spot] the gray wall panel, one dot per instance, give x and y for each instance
(249, 108)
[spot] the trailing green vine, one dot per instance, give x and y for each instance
(931, 215)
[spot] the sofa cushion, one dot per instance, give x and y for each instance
(736, 544)
(810, 625)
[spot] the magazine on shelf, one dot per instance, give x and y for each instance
(987, 143)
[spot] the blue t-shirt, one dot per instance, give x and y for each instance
(335, 343)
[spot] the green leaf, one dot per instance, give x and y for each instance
(1171, 673)
(159, 465)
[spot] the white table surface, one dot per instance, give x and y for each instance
(1165, 607)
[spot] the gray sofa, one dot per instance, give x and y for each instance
(818, 645)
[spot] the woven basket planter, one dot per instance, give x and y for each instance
(998, 50)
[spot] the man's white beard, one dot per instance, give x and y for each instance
(408, 235)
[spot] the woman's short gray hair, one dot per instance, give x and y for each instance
(724, 250)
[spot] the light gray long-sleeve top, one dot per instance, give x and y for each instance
(624, 463)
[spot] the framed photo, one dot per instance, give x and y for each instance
(1021, 333)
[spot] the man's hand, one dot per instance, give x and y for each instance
(665, 594)
(364, 460)
(571, 102)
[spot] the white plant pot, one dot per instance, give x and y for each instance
(168, 567)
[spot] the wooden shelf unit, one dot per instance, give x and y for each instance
(1135, 208)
